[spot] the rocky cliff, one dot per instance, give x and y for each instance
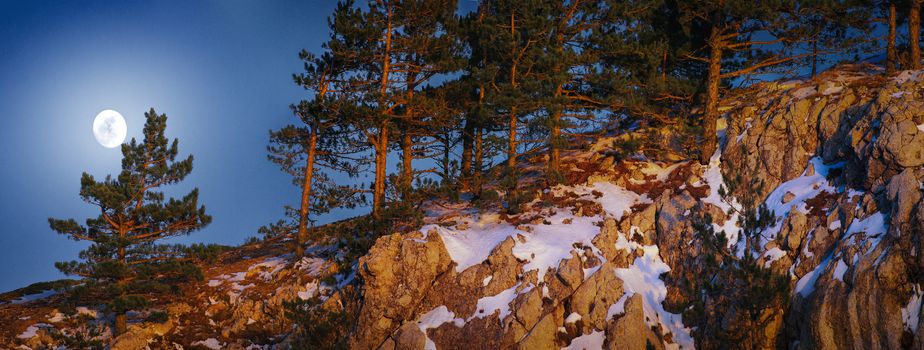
(596, 264)
(606, 261)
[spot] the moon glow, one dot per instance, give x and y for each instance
(109, 128)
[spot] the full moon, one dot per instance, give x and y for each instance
(109, 128)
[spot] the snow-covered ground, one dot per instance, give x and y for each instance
(33, 297)
(544, 245)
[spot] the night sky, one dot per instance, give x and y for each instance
(220, 70)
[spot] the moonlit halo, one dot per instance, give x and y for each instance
(109, 128)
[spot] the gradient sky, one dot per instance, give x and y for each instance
(221, 71)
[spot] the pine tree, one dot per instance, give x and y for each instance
(425, 46)
(320, 142)
(391, 50)
(474, 95)
(361, 39)
(124, 263)
(739, 38)
(731, 295)
(833, 28)
(515, 35)
(568, 68)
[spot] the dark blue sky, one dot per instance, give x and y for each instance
(221, 71)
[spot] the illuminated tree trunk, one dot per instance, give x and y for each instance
(512, 133)
(914, 32)
(381, 158)
(302, 236)
(120, 323)
(381, 144)
(407, 169)
(890, 41)
(555, 141)
(711, 112)
(467, 144)
(512, 140)
(479, 160)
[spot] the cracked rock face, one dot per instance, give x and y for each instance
(860, 280)
(862, 288)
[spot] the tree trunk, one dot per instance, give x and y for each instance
(120, 324)
(381, 144)
(381, 157)
(814, 56)
(467, 144)
(303, 211)
(512, 140)
(407, 168)
(555, 147)
(711, 112)
(914, 31)
(512, 133)
(890, 42)
(479, 161)
(447, 157)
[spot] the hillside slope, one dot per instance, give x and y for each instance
(606, 261)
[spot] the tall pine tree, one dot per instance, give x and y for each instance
(125, 264)
(318, 142)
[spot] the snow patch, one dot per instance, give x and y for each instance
(713, 178)
(831, 90)
(57, 317)
(615, 200)
(33, 297)
(311, 289)
(643, 278)
(32, 330)
(592, 341)
(544, 247)
(547, 245)
(473, 245)
(804, 92)
(906, 75)
(210, 343)
(806, 285)
(434, 319)
(772, 255)
(619, 307)
(660, 173)
(500, 302)
(313, 266)
(839, 270)
(573, 317)
(873, 226)
(911, 312)
(269, 267)
(803, 188)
